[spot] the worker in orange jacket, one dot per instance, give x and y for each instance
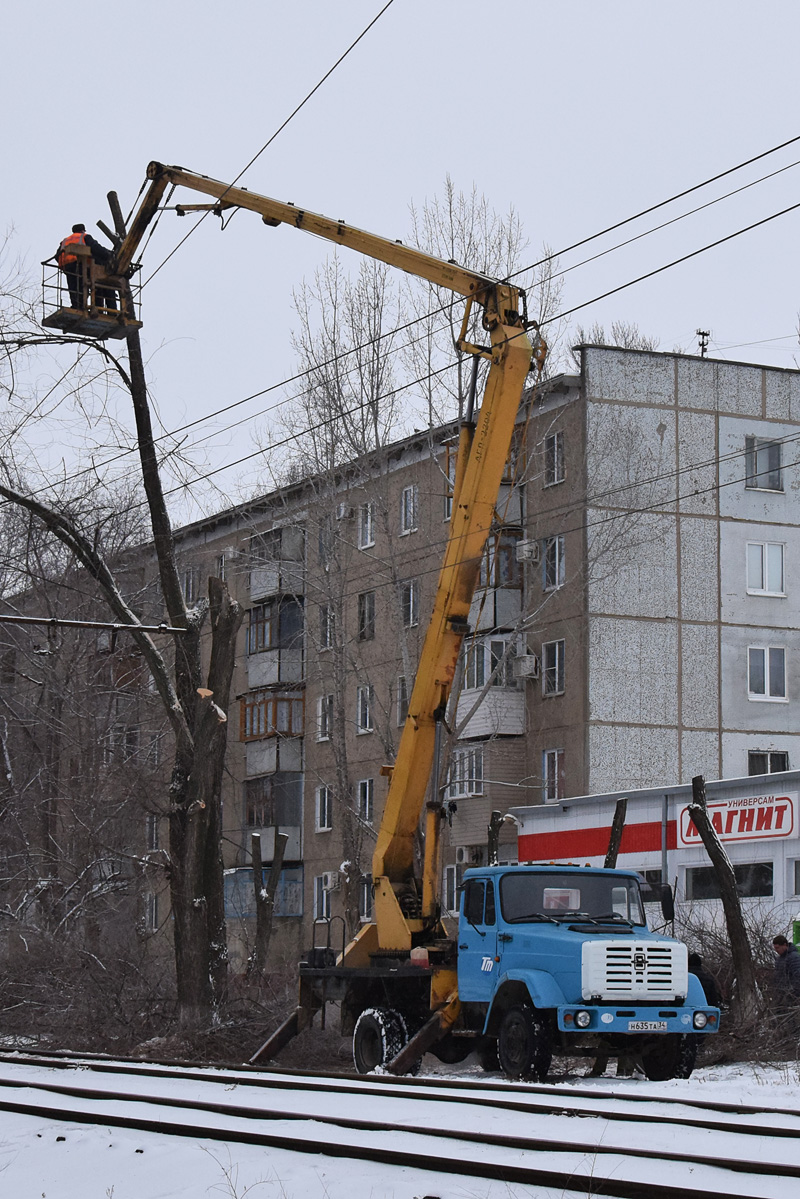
(73, 268)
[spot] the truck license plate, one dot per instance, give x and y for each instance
(647, 1026)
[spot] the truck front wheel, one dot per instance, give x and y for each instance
(524, 1045)
(673, 1056)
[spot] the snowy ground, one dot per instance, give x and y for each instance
(47, 1159)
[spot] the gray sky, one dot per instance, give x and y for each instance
(579, 113)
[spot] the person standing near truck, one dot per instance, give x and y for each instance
(787, 969)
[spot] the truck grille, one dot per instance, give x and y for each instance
(634, 970)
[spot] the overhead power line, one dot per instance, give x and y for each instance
(278, 131)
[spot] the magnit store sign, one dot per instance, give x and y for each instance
(746, 818)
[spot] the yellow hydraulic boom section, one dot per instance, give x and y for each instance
(401, 914)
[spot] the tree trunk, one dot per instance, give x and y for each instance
(265, 897)
(617, 828)
(746, 999)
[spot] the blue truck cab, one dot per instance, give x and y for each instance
(559, 959)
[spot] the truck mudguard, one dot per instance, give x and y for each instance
(542, 988)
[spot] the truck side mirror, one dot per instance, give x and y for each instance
(667, 903)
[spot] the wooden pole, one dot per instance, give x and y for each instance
(617, 827)
(265, 896)
(746, 998)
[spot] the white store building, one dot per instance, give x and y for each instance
(757, 819)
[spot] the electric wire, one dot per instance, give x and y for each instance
(278, 131)
(663, 203)
(373, 341)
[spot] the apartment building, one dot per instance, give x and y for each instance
(666, 588)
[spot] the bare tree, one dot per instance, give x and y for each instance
(192, 683)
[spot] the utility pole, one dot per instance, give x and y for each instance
(704, 335)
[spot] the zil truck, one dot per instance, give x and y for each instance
(546, 958)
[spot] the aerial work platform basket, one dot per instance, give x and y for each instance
(82, 298)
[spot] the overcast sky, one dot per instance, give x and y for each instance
(579, 113)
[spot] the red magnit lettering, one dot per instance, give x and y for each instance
(746, 816)
(780, 808)
(729, 818)
(764, 819)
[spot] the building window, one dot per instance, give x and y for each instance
(274, 799)
(120, 744)
(553, 563)
(366, 799)
(766, 761)
(151, 912)
(276, 624)
(796, 873)
(265, 547)
(364, 709)
(753, 880)
(408, 509)
(324, 717)
(554, 471)
(322, 898)
(325, 540)
(765, 574)
(151, 832)
(552, 775)
(766, 672)
(452, 886)
(366, 616)
(465, 776)
(553, 667)
(488, 659)
(327, 626)
(365, 898)
(324, 809)
(409, 603)
(190, 584)
(763, 464)
(271, 714)
(366, 525)
(499, 565)
(402, 699)
(221, 567)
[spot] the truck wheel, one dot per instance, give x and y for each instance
(378, 1037)
(523, 1046)
(673, 1056)
(487, 1054)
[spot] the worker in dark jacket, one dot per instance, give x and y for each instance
(787, 968)
(74, 269)
(707, 980)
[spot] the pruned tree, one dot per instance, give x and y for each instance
(192, 681)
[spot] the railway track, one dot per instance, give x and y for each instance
(566, 1138)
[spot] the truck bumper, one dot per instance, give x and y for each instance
(608, 1018)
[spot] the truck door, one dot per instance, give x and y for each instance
(477, 942)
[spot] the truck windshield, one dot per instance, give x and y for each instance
(538, 896)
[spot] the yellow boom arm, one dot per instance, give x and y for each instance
(482, 457)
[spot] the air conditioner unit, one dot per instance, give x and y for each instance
(331, 880)
(526, 666)
(344, 512)
(462, 855)
(527, 551)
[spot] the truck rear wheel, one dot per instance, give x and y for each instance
(524, 1045)
(378, 1037)
(671, 1057)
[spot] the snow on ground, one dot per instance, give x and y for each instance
(41, 1158)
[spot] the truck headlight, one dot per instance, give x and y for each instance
(583, 1019)
(700, 1020)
